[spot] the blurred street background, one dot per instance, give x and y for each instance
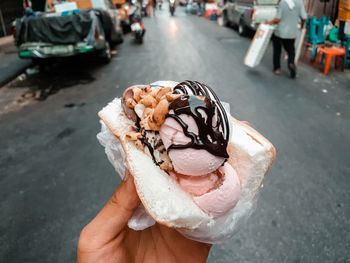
(55, 177)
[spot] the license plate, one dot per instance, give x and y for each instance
(135, 27)
(60, 49)
(55, 50)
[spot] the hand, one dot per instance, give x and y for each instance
(107, 237)
(273, 21)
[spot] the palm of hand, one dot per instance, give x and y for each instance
(154, 244)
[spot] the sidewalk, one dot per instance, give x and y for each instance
(10, 64)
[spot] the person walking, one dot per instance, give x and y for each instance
(204, 6)
(154, 7)
(148, 8)
(289, 13)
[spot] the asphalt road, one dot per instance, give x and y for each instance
(55, 176)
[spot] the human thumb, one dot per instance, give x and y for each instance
(115, 215)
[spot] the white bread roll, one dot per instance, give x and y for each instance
(251, 155)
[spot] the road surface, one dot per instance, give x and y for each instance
(55, 176)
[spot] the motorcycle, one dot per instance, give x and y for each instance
(172, 6)
(137, 27)
(160, 3)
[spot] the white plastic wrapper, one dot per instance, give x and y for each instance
(221, 229)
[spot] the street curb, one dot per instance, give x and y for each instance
(12, 65)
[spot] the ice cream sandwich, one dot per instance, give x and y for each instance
(194, 166)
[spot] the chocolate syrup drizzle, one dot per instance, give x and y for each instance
(145, 141)
(151, 150)
(213, 138)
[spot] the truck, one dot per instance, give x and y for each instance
(64, 33)
(248, 14)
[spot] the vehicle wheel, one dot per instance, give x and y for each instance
(139, 38)
(43, 63)
(226, 22)
(242, 29)
(106, 55)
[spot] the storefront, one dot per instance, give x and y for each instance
(9, 11)
(321, 8)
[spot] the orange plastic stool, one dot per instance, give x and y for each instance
(330, 52)
(308, 45)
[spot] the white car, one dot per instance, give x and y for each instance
(248, 14)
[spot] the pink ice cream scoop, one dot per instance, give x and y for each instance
(195, 134)
(222, 199)
(189, 161)
(197, 185)
(216, 193)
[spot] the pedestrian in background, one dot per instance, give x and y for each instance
(148, 8)
(199, 7)
(289, 13)
(154, 3)
(204, 6)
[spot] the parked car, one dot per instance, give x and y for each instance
(248, 14)
(40, 36)
(183, 2)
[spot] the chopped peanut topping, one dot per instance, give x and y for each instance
(133, 136)
(131, 103)
(139, 145)
(151, 105)
(166, 166)
(160, 111)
